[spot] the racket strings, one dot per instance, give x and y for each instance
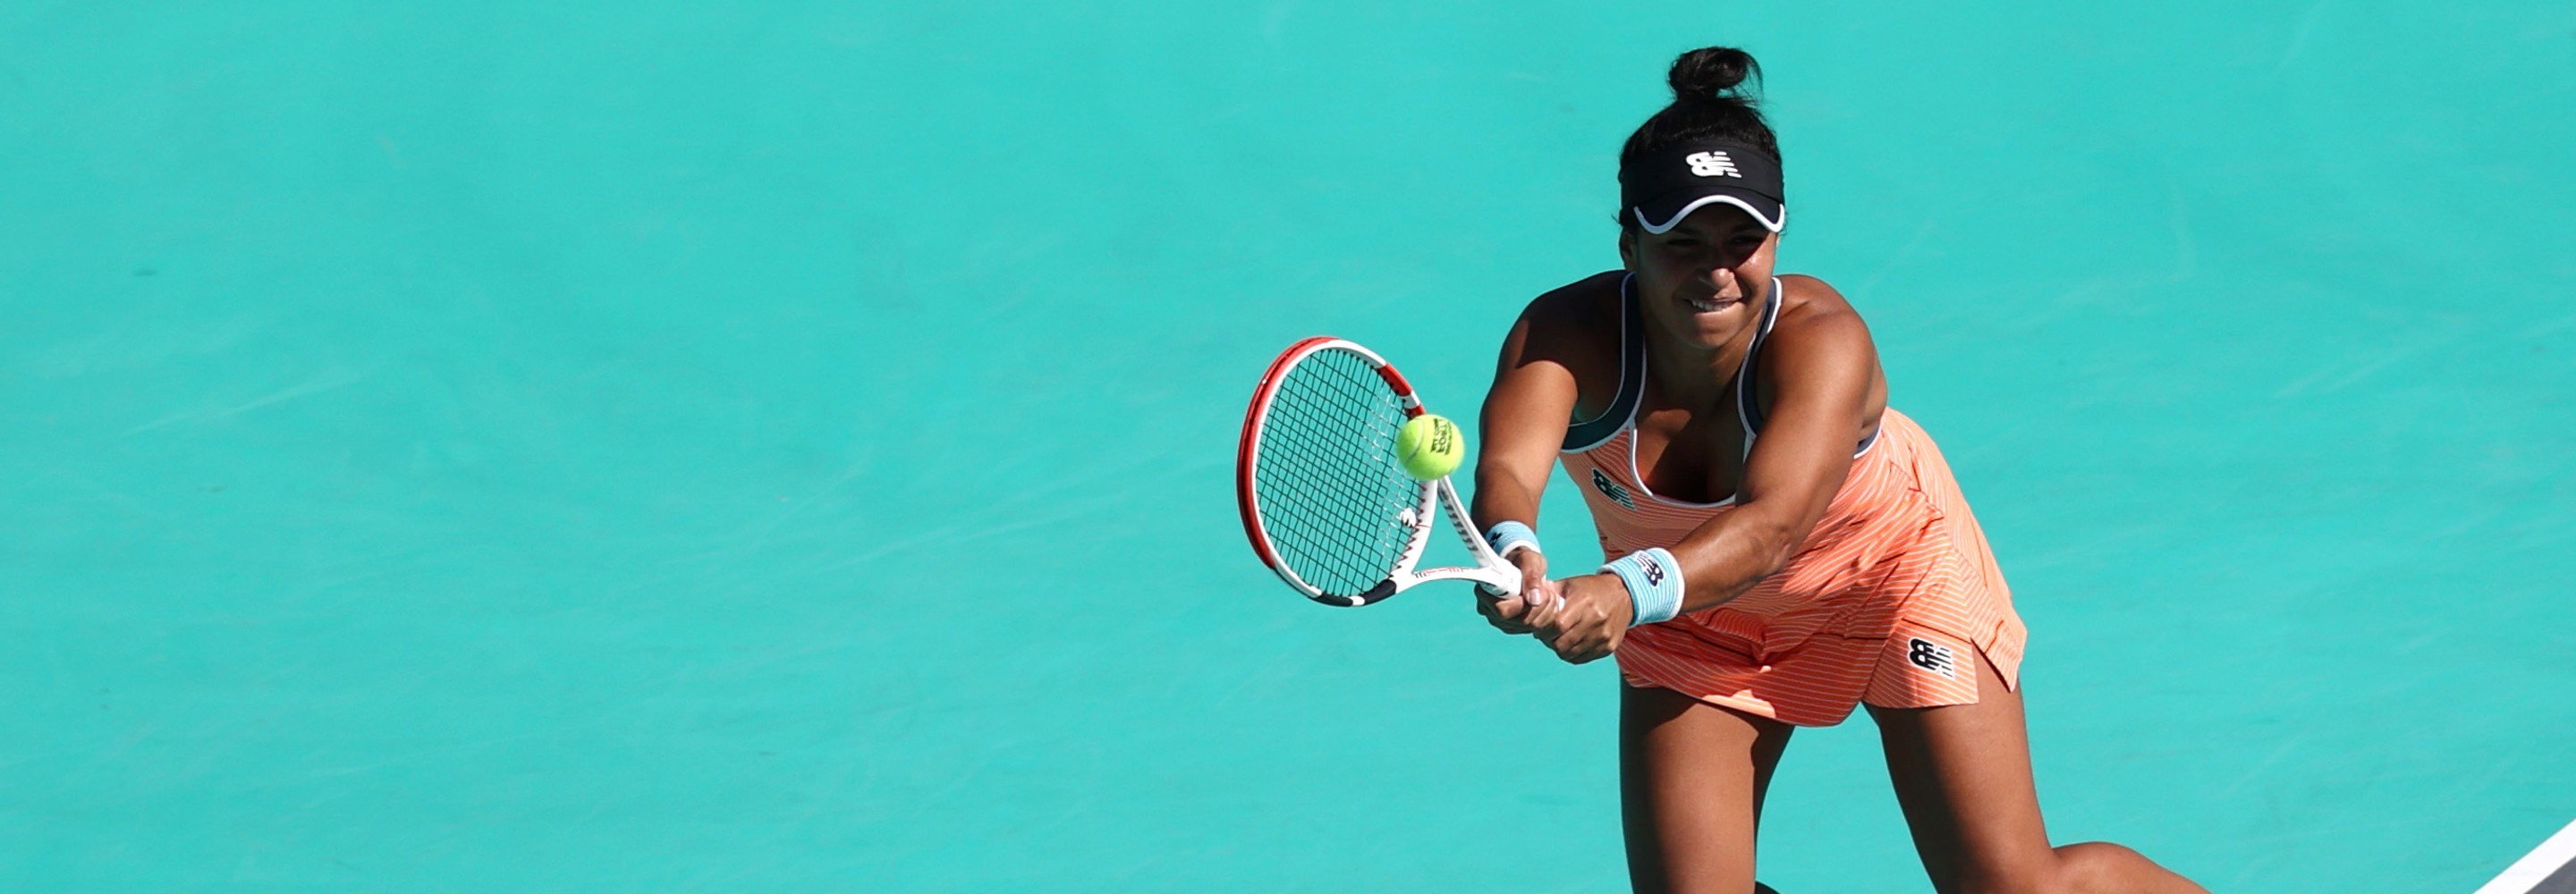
(1331, 545)
(1330, 489)
(1344, 417)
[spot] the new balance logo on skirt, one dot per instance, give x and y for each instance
(1932, 656)
(1712, 164)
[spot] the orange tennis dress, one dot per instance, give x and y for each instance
(1884, 603)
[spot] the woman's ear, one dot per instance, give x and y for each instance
(1628, 249)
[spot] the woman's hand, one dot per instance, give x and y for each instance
(1591, 621)
(1521, 612)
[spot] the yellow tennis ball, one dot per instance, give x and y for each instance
(1429, 446)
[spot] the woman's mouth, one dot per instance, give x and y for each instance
(1709, 305)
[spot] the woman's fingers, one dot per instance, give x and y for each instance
(1534, 582)
(1582, 650)
(1541, 607)
(1541, 591)
(1581, 628)
(1503, 612)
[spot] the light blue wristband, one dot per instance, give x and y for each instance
(1654, 584)
(1505, 535)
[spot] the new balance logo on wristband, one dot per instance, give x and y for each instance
(1712, 164)
(1932, 656)
(1653, 570)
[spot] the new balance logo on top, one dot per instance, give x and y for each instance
(1712, 164)
(1611, 489)
(1932, 656)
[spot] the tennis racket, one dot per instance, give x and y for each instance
(1324, 500)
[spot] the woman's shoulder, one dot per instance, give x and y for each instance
(1590, 303)
(1576, 326)
(1812, 311)
(1804, 297)
(1576, 320)
(1819, 331)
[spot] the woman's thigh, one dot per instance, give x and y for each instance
(1962, 775)
(1692, 777)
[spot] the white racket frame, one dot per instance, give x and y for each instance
(1438, 497)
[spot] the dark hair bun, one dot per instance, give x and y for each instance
(1712, 73)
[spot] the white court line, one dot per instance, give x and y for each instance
(2536, 866)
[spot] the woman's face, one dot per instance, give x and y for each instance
(1704, 280)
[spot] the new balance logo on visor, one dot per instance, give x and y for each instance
(1712, 164)
(1931, 656)
(1611, 489)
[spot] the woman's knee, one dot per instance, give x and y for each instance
(2072, 869)
(2094, 866)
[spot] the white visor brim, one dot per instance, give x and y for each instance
(1770, 223)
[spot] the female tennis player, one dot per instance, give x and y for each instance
(1784, 544)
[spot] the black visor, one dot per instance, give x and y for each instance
(1662, 188)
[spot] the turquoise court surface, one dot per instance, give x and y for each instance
(786, 446)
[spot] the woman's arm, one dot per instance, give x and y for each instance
(1523, 422)
(1823, 366)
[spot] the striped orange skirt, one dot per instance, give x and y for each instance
(1889, 601)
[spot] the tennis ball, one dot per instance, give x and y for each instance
(1429, 446)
